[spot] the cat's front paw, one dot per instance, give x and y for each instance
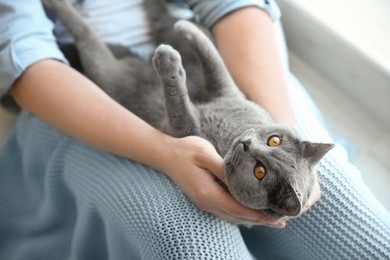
(166, 57)
(167, 62)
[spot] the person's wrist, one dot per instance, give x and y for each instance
(163, 153)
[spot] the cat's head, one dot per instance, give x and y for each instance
(272, 170)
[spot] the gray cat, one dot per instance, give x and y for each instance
(266, 165)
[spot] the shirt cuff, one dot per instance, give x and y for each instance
(209, 12)
(15, 58)
(25, 38)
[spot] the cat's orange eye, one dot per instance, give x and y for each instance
(274, 141)
(259, 171)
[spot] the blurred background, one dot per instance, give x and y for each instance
(340, 51)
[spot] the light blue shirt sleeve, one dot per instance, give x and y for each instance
(210, 11)
(25, 38)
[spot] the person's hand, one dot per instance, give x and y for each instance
(314, 197)
(192, 163)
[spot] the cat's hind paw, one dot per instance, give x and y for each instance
(54, 4)
(188, 30)
(185, 29)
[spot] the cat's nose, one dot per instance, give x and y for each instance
(246, 144)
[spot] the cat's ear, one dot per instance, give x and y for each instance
(313, 152)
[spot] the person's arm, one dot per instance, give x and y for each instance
(247, 42)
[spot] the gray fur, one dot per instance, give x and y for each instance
(203, 102)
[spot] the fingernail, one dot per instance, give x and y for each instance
(281, 224)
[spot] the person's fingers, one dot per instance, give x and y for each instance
(225, 203)
(238, 219)
(215, 165)
(314, 196)
(209, 159)
(234, 220)
(243, 221)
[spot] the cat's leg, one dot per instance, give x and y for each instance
(95, 56)
(182, 119)
(218, 80)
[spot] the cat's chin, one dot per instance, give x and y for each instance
(274, 215)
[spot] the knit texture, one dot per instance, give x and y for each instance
(60, 199)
